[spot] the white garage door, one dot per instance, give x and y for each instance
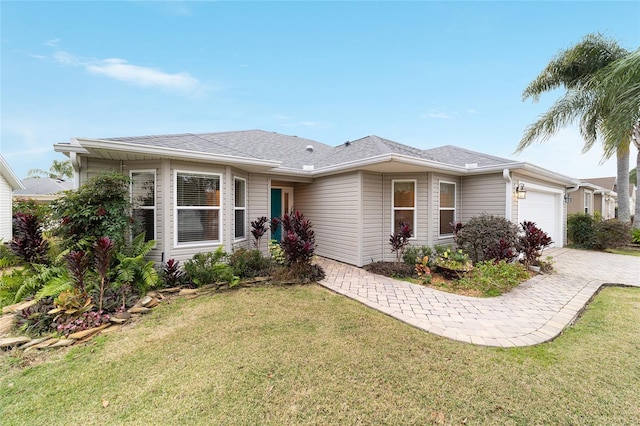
(545, 209)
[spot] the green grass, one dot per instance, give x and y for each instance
(303, 355)
(628, 252)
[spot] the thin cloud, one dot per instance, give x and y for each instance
(437, 114)
(121, 70)
(54, 42)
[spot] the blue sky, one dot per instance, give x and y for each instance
(421, 73)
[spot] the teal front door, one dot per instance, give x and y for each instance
(276, 211)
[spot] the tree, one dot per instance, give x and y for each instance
(621, 81)
(581, 71)
(58, 170)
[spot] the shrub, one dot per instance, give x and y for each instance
(636, 235)
(132, 270)
(486, 236)
(276, 252)
(210, 268)
(501, 250)
(391, 269)
(300, 273)
(99, 208)
(612, 233)
(453, 263)
(35, 320)
(10, 284)
(7, 257)
(580, 230)
(399, 240)
(298, 241)
(589, 232)
(533, 242)
(28, 242)
(414, 254)
(494, 278)
(249, 263)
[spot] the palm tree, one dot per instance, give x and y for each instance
(578, 70)
(621, 80)
(58, 170)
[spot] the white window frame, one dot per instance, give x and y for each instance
(414, 209)
(236, 208)
(588, 201)
(454, 208)
(155, 198)
(176, 208)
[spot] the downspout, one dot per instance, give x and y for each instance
(506, 175)
(75, 163)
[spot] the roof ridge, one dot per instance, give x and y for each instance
(494, 157)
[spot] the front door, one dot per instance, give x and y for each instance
(281, 203)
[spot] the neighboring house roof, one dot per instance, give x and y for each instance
(42, 186)
(276, 153)
(608, 182)
(9, 175)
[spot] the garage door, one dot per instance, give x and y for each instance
(545, 209)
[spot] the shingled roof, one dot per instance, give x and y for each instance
(291, 151)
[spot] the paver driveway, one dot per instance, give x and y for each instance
(534, 312)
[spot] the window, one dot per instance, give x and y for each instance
(587, 202)
(404, 204)
(197, 208)
(240, 207)
(447, 207)
(143, 202)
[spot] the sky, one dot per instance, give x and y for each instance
(425, 74)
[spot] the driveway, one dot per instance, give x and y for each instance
(536, 311)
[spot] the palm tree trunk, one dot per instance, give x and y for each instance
(624, 213)
(636, 214)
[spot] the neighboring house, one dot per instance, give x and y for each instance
(8, 183)
(599, 195)
(198, 191)
(42, 189)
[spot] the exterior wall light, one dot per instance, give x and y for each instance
(521, 193)
(567, 199)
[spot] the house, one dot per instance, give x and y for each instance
(195, 192)
(42, 189)
(599, 195)
(594, 196)
(8, 183)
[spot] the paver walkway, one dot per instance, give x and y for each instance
(534, 312)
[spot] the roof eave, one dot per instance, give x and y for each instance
(10, 176)
(385, 158)
(162, 152)
(529, 169)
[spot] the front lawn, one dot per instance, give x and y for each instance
(304, 355)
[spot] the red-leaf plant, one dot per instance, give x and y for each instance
(78, 266)
(533, 242)
(258, 229)
(298, 242)
(399, 240)
(102, 251)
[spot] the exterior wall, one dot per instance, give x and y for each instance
(333, 205)
(258, 199)
(482, 194)
(373, 236)
(577, 202)
(6, 216)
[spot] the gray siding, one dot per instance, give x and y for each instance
(333, 206)
(373, 236)
(258, 204)
(482, 194)
(5, 210)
